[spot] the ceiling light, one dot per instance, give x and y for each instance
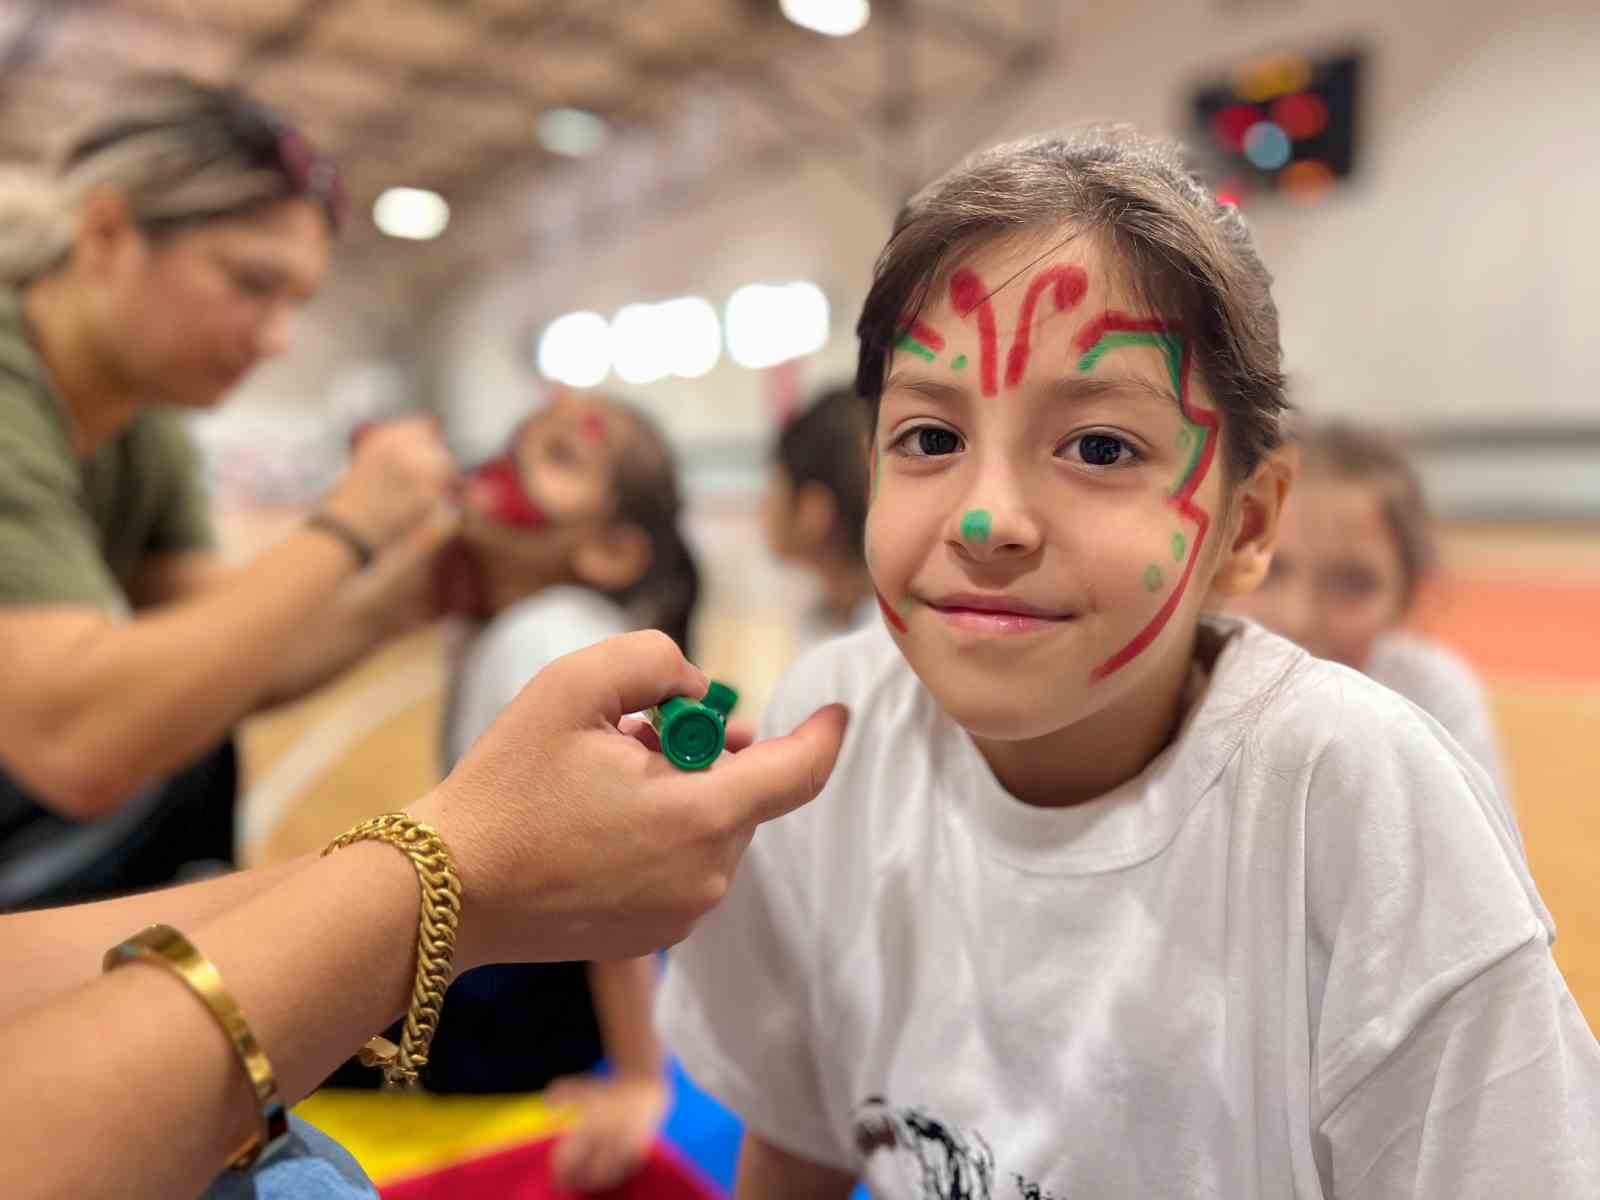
(835, 18)
(677, 337)
(771, 323)
(576, 350)
(405, 212)
(570, 132)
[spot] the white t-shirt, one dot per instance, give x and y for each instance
(498, 658)
(1441, 684)
(1298, 955)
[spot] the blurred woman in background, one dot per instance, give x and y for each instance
(156, 262)
(1355, 547)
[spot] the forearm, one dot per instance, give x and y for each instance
(767, 1172)
(624, 992)
(157, 1092)
(45, 953)
(145, 698)
(329, 646)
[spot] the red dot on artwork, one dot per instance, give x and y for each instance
(1231, 124)
(1302, 115)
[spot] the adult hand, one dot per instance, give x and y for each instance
(573, 841)
(399, 473)
(399, 592)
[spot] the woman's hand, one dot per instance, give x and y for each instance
(574, 841)
(399, 473)
(617, 1121)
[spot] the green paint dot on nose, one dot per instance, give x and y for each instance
(1179, 545)
(1152, 577)
(958, 362)
(975, 524)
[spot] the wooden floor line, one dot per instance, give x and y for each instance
(267, 801)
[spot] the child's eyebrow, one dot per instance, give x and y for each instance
(1090, 387)
(928, 388)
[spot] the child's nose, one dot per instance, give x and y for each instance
(994, 527)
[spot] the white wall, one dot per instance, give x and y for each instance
(1453, 282)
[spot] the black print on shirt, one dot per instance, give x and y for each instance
(952, 1163)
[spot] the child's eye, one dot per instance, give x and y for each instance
(929, 441)
(1101, 450)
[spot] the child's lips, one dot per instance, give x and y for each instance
(996, 614)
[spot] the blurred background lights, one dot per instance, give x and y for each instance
(768, 324)
(693, 333)
(652, 341)
(570, 132)
(412, 213)
(576, 350)
(835, 18)
(1267, 146)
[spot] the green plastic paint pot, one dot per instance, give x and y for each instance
(693, 732)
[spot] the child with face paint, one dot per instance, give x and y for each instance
(815, 508)
(1107, 897)
(568, 538)
(1355, 546)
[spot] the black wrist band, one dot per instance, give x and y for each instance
(353, 541)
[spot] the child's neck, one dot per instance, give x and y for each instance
(1089, 758)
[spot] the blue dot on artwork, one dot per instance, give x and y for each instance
(1267, 146)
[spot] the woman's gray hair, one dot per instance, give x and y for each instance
(181, 151)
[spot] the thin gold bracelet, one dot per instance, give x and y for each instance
(165, 947)
(436, 941)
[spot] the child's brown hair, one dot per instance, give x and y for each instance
(1187, 256)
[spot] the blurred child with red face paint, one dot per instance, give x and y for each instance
(568, 538)
(1355, 547)
(1107, 896)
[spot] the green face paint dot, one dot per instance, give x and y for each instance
(975, 525)
(1179, 545)
(958, 362)
(1152, 577)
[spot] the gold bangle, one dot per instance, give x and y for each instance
(436, 941)
(166, 947)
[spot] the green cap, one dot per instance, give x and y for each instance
(693, 732)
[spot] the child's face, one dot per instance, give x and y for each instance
(564, 459)
(1337, 580)
(1045, 520)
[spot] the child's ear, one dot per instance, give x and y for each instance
(615, 559)
(815, 513)
(1257, 506)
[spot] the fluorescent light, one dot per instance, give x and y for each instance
(570, 132)
(771, 323)
(835, 18)
(413, 213)
(576, 350)
(694, 335)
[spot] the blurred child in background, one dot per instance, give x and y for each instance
(568, 538)
(815, 509)
(1355, 547)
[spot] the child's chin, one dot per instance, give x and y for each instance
(1009, 714)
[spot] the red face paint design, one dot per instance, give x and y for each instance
(497, 488)
(1068, 285)
(889, 614)
(1102, 335)
(592, 427)
(968, 295)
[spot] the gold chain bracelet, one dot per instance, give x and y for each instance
(436, 941)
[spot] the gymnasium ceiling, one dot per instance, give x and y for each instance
(445, 94)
